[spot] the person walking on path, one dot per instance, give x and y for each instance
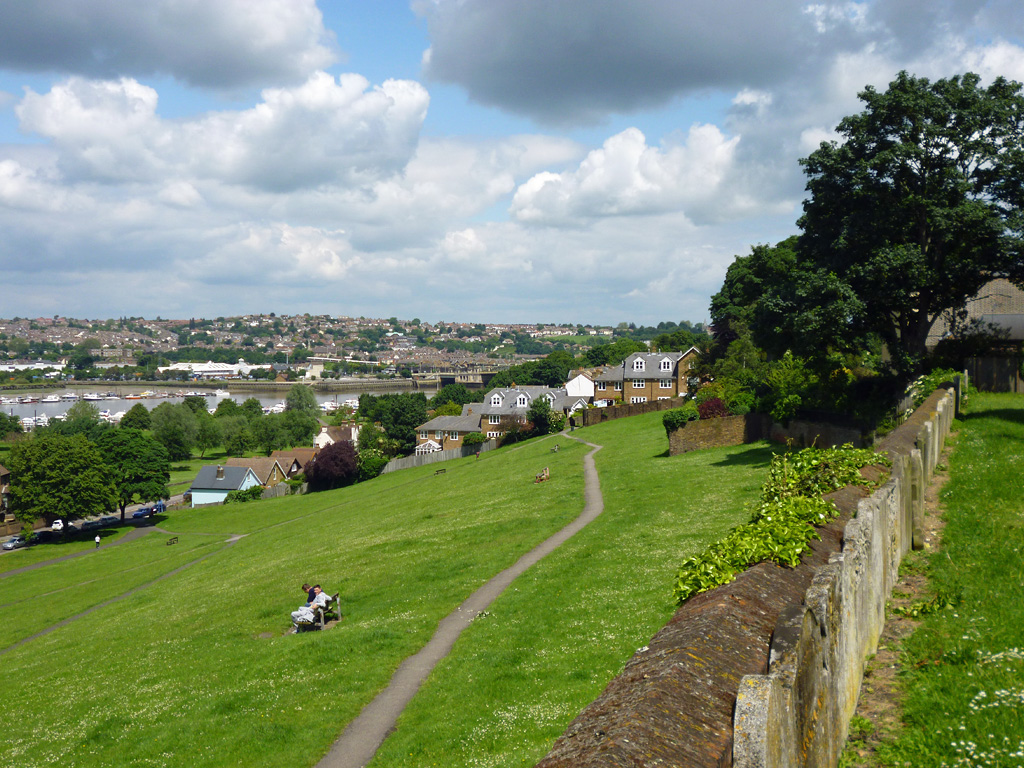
(97, 541)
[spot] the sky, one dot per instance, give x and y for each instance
(593, 161)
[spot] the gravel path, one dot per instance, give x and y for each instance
(360, 740)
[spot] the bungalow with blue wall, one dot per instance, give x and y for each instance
(213, 483)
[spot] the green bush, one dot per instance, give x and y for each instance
(240, 497)
(783, 522)
(677, 417)
(474, 438)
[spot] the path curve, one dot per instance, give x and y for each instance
(362, 737)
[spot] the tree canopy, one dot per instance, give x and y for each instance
(137, 464)
(908, 217)
(56, 476)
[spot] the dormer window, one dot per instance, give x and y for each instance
(638, 364)
(521, 401)
(496, 400)
(666, 364)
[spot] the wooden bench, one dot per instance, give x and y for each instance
(321, 615)
(440, 472)
(542, 476)
(555, 449)
(172, 540)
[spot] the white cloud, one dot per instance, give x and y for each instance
(325, 130)
(628, 177)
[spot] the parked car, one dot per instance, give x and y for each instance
(58, 525)
(142, 512)
(109, 520)
(43, 536)
(15, 542)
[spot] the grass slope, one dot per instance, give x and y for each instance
(548, 646)
(964, 666)
(194, 669)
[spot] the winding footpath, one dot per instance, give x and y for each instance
(362, 738)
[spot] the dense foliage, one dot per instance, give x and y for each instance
(909, 215)
(334, 466)
(784, 520)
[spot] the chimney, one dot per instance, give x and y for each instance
(220, 473)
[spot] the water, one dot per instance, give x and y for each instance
(120, 403)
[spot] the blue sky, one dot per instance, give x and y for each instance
(501, 160)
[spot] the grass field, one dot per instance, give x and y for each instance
(194, 669)
(964, 666)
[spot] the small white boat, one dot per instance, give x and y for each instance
(69, 396)
(221, 393)
(92, 396)
(51, 399)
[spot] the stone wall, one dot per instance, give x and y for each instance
(715, 433)
(737, 430)
(765, 672)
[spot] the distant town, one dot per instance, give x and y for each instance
(290, 346)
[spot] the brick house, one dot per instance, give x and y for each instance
(646, 376)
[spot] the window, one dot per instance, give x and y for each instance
(666, 364)
(664, 398)
(665, 384)
(493, 419)
(521, 401)
(453, 435)
(638, 364)
(639, 383)
(602, 386)
(439, 435)
(638, 400)
(618, 386)
(496, 400)
(494, 434)
(423, 435)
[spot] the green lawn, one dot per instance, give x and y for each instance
(194, 669)
(549, 645)
(964, 666)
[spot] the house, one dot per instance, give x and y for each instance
(645, 376)
(443, 432)
(294, 460)
(332, 435)
(999, 303)
(581, 385)
(505, 404)
(267, 469)
(213, 483)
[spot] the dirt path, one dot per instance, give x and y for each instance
(360, 740)
(879, 708)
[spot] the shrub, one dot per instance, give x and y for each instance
(677, 417)
(371, 463)
(783, 521)
(334, 466)
(474, 438)
(713, 409)
(240, 497)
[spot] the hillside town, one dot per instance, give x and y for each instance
(265, 345)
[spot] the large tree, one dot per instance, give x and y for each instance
(302, 398)
(908, 216)
(55, 476)
(137, 464)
